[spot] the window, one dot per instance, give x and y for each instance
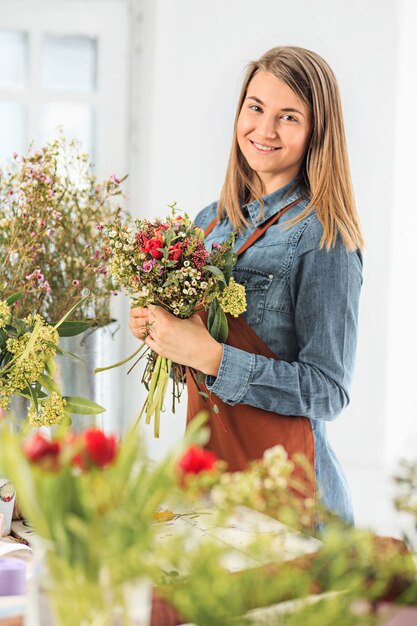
(64, 64)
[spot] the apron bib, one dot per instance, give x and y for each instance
(242, 433)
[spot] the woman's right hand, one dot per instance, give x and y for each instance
(138, 320)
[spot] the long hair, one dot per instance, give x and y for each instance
(325, 169)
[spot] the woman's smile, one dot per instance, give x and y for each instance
(262, 147)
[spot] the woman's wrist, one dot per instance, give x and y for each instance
(209, 362)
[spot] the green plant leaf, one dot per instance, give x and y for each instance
(217, 322)
(72, 328)
(82, 406)
(14, 298)
(72, 309)
(50, 367)
(63, 352)
(49, 384)
(230, 262)
(214, 270)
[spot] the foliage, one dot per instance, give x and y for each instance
(406, 499)
(342, 581)
(91, 500)
(52, 214)
(27, 368)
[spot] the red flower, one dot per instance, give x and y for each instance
(97, 449)
(151, 246)
(40, 450)
(197, 460)
(174, 252)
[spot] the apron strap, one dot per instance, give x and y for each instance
(259, 231)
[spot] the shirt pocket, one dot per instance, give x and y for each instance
(256, 284)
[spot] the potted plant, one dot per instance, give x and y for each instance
(52, 215)
(27, 367)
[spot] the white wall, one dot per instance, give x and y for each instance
(188, 65)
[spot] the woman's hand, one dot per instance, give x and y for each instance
(186, 342)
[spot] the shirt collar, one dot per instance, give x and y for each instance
(275, 201)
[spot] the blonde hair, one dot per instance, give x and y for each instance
(325, 169)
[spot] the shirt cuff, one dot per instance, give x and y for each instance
(233, 378)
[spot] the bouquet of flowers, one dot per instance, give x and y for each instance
(165, 262)
(52, 215)
(93, 502)
(27, 367)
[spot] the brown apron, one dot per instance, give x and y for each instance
(241, 433)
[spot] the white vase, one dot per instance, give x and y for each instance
(7, 498)
(97, 347)
(53, 601)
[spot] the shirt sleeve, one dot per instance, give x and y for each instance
(325, 288)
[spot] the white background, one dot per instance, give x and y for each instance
(191, 66)
(186, 63)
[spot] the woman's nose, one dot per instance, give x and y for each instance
(267, 126)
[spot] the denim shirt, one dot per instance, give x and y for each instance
(303, 303)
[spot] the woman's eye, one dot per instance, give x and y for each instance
(289, 118)
(255, 107)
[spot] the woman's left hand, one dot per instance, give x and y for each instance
(186, 342)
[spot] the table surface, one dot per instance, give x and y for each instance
(236, 533)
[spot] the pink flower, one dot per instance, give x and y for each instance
(149, 265)
(75, 283)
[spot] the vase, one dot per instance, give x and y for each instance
(94, 348)
(62, 596)
(7, 499)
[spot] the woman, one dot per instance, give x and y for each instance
(286, 368)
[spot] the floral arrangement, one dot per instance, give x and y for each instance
(27, 368)
(360, 570)
(275, 485)
(52, 215)
(165, 262)
(91, 500)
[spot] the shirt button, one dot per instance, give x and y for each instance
(271, 276)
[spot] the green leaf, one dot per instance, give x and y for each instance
(63, 352)
(28, 348)
(82, 406)
(50, 367)
(230, 262)
(49, 384)
(72, 309)
(217, 322)
(14, 298)
(72, 328)
(214, 270)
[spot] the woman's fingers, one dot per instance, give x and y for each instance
(138, 320)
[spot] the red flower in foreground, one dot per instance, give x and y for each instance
(196, 460)
(97, 449)
(40, 450)
(152, 247)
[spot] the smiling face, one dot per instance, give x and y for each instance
(273, 130)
